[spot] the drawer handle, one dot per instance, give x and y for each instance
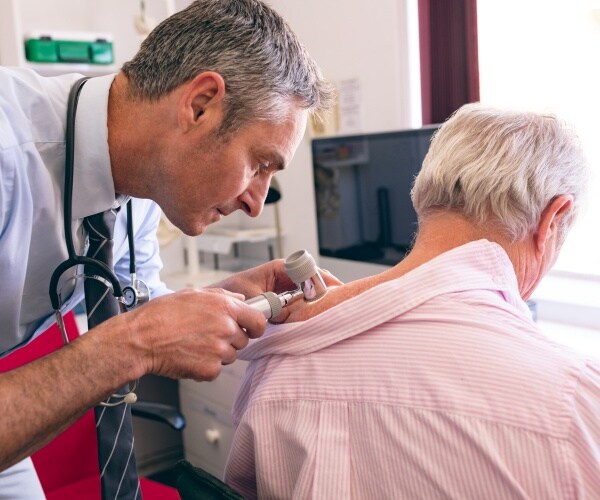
(212, 435)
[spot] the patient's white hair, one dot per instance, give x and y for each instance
(501, 166)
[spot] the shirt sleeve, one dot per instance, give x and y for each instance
(15, 236)
(146, 216)
(586, 434)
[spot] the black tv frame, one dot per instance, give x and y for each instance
(354, 182)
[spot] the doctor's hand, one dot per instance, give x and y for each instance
(192, 333)
(301, 310)
(268, 277)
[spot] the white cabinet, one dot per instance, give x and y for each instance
(208, 434)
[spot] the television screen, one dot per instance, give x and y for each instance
(362, 191)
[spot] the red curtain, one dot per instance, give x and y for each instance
(449, 59)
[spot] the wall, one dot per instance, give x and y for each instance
(354, 39)
(109, 16)
(351, 39)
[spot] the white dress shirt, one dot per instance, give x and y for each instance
(32, 155)
(33, 113)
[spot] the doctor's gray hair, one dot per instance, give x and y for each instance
(264, 66)
(502, 167)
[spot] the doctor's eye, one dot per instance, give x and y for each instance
(263, 168)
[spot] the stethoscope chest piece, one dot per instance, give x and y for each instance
(136, 294)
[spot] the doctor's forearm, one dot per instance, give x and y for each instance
(43, 398)
(186, 334)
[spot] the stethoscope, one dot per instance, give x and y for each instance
(128, 297)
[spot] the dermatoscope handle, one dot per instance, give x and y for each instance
(302, 270)
(267, 303)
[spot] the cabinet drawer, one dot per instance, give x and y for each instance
(208, 434)
(222, 390)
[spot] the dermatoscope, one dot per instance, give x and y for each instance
(302, 270)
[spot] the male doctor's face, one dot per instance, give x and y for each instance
(225, 173)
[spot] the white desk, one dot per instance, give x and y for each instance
(223, 240)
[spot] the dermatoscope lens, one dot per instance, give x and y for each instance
(300, 266)
(302, 270)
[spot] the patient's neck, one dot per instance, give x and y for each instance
(438, 233)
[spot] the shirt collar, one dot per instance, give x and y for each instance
(478, 265)
(93, 185)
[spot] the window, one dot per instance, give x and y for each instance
(543, 55)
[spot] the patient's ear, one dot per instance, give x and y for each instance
(202, 101)
(550, 220)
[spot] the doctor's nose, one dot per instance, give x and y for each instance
(253, 199)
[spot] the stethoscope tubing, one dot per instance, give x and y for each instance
(101, 271)
(100, 268)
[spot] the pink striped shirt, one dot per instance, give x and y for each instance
(434, 385)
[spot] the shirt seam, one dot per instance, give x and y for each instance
(565, 439)
(571, 430)
(24, 143)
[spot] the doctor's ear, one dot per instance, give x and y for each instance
(201, 100)
(552, 218)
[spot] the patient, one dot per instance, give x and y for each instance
(430, 380)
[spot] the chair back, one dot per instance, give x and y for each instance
(68, 465)
(72, 457)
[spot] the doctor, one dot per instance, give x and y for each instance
(214, 103)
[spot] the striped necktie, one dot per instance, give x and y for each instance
(118, 472)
